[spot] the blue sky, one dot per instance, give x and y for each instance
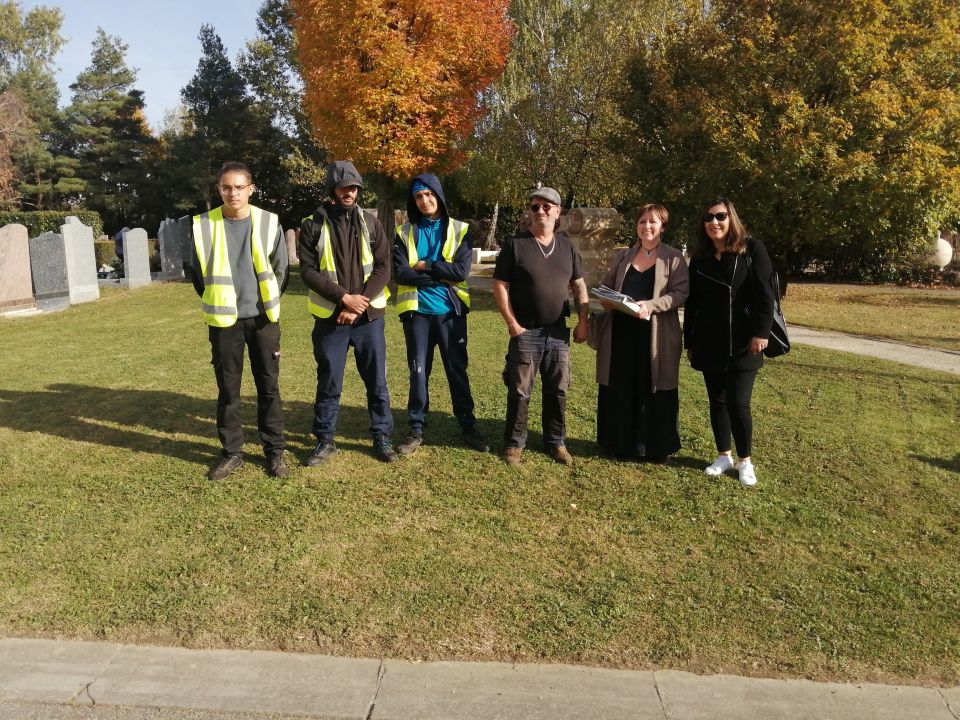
(161, 36)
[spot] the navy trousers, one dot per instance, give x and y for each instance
(330, 345)
(423, 333)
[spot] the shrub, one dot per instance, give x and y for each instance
(41, 221)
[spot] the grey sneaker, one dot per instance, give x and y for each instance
(321, 453)
(276, 466)
(383, 449)
(224, 465)
(410, 445)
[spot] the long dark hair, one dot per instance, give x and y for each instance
(737, 234)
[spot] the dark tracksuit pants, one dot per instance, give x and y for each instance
(330, 345)
(262, 338)
(448, 332)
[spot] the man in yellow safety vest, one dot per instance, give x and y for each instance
(345, 264)
(240, 269)
(431, 262)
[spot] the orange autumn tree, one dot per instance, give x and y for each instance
(393, 84)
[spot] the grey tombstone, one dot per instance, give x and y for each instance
(136, 259)
(171, 258)
(48, 265)
(81, 261)
(16, 286)
(291, 238)
(185, 229)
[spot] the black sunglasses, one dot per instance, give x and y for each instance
(720, 216)
(537, 207)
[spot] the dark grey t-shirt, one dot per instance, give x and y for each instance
(539, 278)
(239, 237)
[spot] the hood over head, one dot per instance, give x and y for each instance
(341, 173)
(432, 182)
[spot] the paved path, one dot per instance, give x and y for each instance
(942, 360)
(58, 680)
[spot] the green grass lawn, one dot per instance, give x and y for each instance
(927, 317)
(844, 562)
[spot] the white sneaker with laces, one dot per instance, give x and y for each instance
(748, 477)
(719, 466)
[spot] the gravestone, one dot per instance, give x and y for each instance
(48, 267)
(185, 229)
(81, 261)
(171, 258)
(16, 285)
(136, 259)
(291, 237)
(594, 232)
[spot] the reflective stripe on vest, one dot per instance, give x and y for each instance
(407, 300)
(318, 305)
(219, 301)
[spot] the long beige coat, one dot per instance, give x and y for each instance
(671, 285)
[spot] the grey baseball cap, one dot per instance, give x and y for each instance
(548, 194)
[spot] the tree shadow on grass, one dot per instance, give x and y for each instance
(154, 421)
(951, 464)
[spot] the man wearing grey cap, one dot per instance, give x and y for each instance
(534, 275)
(345, 264)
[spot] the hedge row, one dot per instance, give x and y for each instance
(41, 221)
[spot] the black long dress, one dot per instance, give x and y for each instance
(633, 422)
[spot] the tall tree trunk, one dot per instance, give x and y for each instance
(385, 185)
(491, 242)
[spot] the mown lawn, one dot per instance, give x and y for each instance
(843, 563)
(927, 317)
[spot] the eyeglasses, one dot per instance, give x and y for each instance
(537, 207)
(720, 217)
(225, 189)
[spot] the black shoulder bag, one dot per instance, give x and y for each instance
(779, 342)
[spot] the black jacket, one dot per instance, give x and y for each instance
(728, 305)
(435, 272)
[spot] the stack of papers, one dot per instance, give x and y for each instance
(621, 302)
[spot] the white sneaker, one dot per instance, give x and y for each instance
(748, 477)
(719, 466)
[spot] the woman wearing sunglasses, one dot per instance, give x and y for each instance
(638, 355)
(726, 325)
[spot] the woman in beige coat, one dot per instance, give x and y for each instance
(638, 355)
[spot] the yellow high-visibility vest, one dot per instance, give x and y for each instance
(219, 301)
(318, 305)
(456, 231)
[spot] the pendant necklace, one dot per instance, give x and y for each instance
(553, 246)
(650, 252)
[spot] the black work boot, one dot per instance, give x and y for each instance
(321, 453)
(476, 440)
(276, 467)
(224, 465)
(410, 445)
(383, 449)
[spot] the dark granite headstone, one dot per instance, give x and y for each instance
(171, 259)
(48, 266)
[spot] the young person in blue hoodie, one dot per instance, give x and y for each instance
(431, 262)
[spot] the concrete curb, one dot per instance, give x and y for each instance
(42, 679)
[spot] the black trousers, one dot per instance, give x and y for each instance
(262, 337)
(729, 395)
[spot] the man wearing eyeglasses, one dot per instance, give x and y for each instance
(345, 264)
(240, 270)
(533, 277)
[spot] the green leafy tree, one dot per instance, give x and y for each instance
(29, 41)
(835, 127)
(108, 134)
(221, 122)
(550, 114)
(270, 66)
